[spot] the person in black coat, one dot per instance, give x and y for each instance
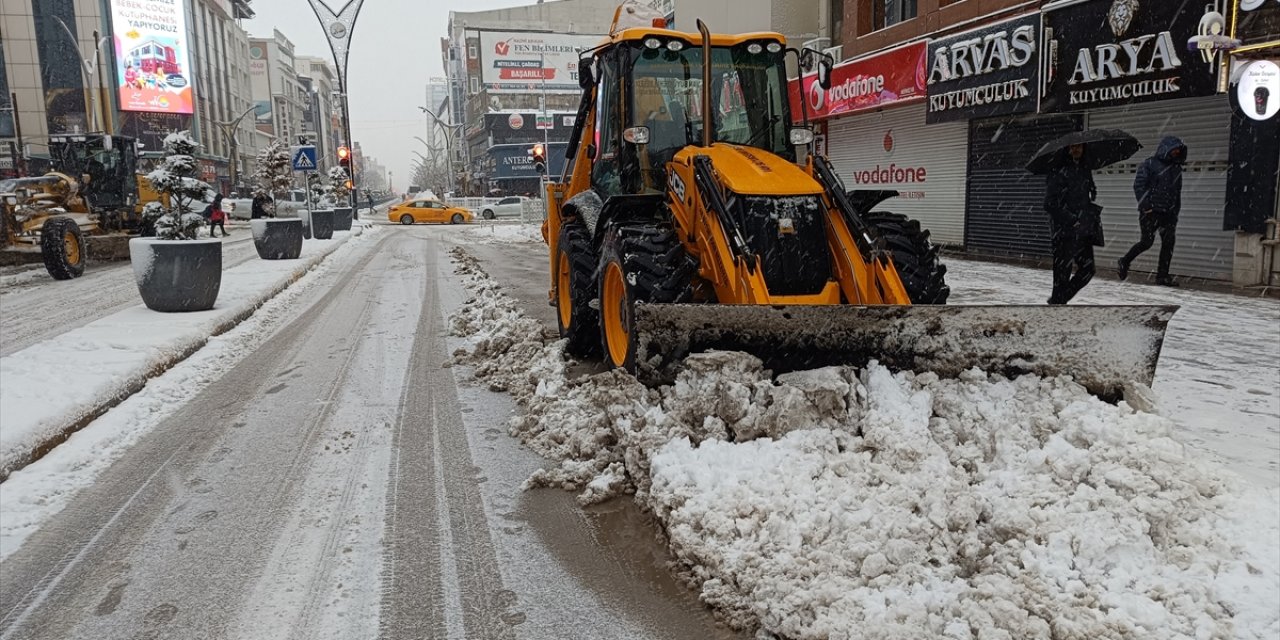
(260, 207)
(1158, 189)
(1069, 201)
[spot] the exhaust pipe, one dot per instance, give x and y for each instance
(706, 82)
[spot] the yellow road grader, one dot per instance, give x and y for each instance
(694, 215)
(93, 189)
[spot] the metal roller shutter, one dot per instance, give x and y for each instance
(1006, 202)
(1203, 249)
(885, 150)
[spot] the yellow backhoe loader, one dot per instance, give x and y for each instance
(694, 215)
(93, 189)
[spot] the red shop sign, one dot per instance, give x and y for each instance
(893, 77)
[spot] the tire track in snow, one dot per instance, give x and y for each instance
(446, 585)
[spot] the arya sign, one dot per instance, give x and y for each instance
(1105, 53)
(991, 71)
(893, 77)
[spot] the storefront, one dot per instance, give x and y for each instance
(873, 122)
(1131, 66)
(510, 169)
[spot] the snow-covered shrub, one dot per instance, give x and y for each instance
(177, 185)
(338, 190)
(274, 174)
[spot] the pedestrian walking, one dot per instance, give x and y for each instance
(259, 207)
(1158, 190)
(1074, 223)
(217, 217)
(369, 194)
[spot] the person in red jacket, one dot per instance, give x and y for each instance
(217, 217)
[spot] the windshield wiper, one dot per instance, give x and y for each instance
(768, 127)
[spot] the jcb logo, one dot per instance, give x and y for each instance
(677, 185)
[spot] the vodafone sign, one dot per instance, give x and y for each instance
(892, 77)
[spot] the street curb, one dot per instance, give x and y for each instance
(138, 381)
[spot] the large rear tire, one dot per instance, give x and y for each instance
(63, 249)
(638, 264)
(575, 290)
(916, 258)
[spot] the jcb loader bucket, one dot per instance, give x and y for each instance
(1101, 347)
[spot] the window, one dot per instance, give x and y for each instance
(473, 51)
(886, 13)
(475, 85)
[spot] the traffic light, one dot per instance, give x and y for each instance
(539, 158)
(344, 157)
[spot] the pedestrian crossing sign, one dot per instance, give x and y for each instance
(304, 158)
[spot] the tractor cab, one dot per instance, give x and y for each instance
(647, 85)
(104, 165)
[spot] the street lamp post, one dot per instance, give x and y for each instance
(228, 131)
(337, 30)
(450, 130)
(91, 70)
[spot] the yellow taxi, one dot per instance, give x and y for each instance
(411, 211)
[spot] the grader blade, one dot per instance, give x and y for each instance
(1101, 347)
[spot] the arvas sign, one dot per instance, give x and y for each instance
(1104, 53)
(992, 71)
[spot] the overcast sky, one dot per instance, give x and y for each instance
(395, 48)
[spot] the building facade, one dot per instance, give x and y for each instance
(322, 114)
(945, 101)
(516, 61)
(277, 94)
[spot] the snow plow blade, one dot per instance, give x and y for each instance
(1101, 347)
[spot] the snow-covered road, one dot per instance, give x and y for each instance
(321, 474)
(36, 308)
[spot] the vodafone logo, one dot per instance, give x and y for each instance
(817, 97)
(502, 48)
(888, 141)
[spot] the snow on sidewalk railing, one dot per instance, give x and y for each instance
(54, 388)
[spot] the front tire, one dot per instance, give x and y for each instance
(406, 219)
(576, 287)
(62, 248)
(915, 257)
(638, 264)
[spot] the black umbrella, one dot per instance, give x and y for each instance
(1101, 148)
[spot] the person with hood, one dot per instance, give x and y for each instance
(1158, 189)
(1069, 200)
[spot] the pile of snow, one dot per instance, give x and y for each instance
(843, 503)
(503, 233)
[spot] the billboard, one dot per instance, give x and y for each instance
(529, 62)
(874, 82)
(153, 64)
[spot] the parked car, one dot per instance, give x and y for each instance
(510, 207)
(414, 211)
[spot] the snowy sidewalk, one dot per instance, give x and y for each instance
(52, 388)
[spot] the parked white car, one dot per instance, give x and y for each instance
(510, 207)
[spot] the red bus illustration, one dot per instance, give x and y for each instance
(151, 55)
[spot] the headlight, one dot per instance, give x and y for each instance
(675, 45)
(774, 47)
(652, 43)
(755, 48)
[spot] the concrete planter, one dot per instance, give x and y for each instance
(322, 224)
(177, 275)
(305, 217)
(277, 239)
(342, 218)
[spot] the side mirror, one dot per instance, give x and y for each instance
(636, 135)
(801, 136)
(586, 79)
(824, 72)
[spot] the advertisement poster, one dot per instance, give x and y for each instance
(896, 76)
(153, 67)
(1106, 53)
(525, 62)
(992, 71)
